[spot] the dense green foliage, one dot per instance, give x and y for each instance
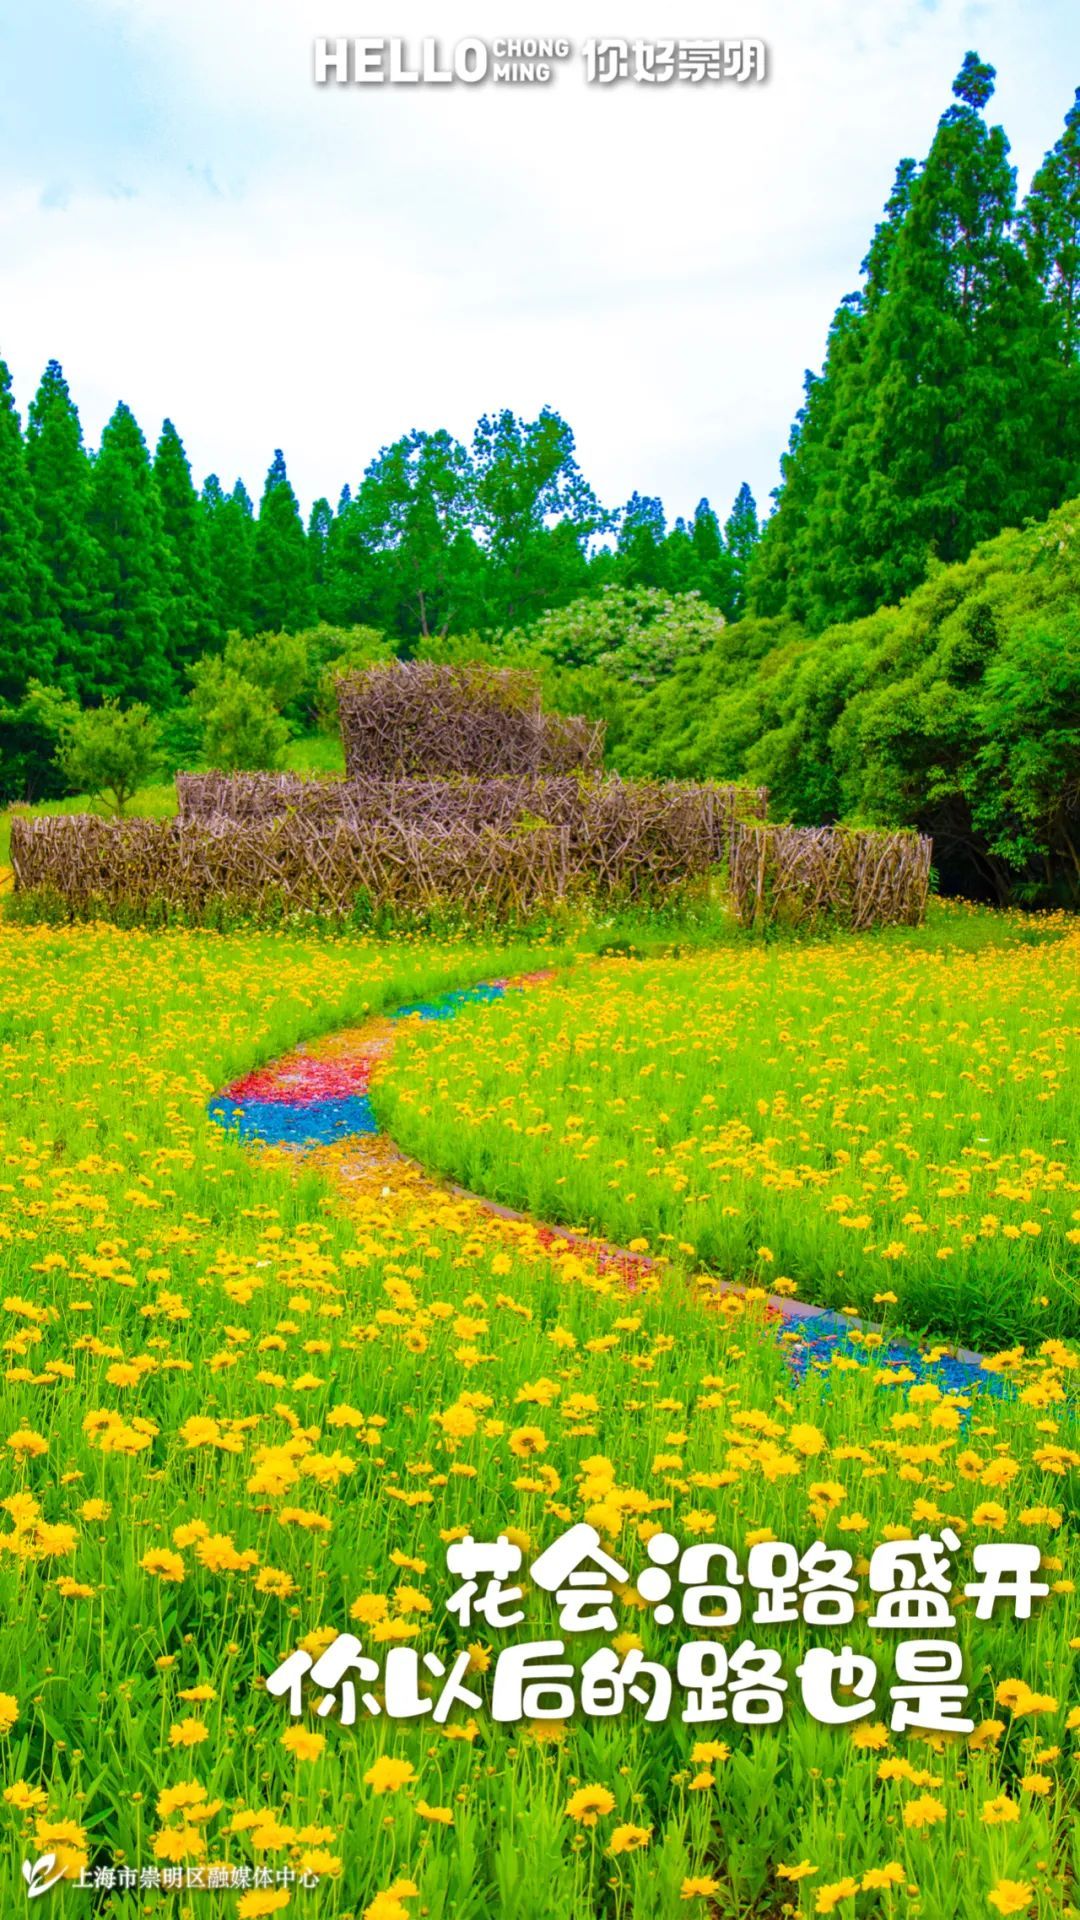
(957, 711)
(949, 404)
(117, 577)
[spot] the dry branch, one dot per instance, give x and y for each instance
(803, 875)
(421, 718)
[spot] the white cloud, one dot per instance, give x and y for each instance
(272, 264)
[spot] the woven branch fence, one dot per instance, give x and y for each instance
(630, 841)
(421, 718)
(803, 875)
(264, 867)
(612, 823)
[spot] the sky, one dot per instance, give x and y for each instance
(189, 224)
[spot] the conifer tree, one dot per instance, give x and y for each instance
(28, 630)
(352, 592)
(230, 534)
(640, 542)
(138, 579)
(1050, 226)
(741, 535)
(193, 629)
(59, 468)
(937, 419)
(281, 585)
(791, 569)
(320, 522)
(958, 364)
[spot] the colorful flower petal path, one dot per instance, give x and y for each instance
(316, 1100)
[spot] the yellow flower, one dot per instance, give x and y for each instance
(699, 1887)
(302, 1744)
(260, 1902)
(179, 1843)
(876, 1878)
(67, 1840)
(188, 1733)
(828, 1898)
(526, 1441)
(990, 1514)
(9, 1712)
(163, 1563)
(629, 1839)
(388, 1775)
(923, 1812)
(873, 1737)
(801, 1872)
(999, 1811)
(442, 1816)
(1011, 1896)
(25, 1797)
(588, 1803)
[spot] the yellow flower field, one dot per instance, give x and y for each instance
(249, 1404)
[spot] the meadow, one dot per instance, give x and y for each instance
(889, 1122)
(248, 1405)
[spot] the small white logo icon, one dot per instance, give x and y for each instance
(41, 1874)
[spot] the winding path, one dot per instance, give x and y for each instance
(316, 1101)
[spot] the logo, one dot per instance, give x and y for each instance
(41, 1874)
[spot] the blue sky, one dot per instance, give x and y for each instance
(189, 225)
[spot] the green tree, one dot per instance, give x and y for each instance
(27, 631)
(939, 417)
(793, 568)
(109, 751)
(240, 726)
(279, 663)
(634, 634)
(413, 562)
(320, 521)
(640, 542)
(1050, 227)
(282, 594)
(741, 535)
(230, 536)
(192, 625)
(960, 364)
(536, 514)
(137, 578)
(60, 472)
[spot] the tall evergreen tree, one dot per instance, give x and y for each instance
(959, 365)
(60, 472)
(938, 417)
(27, 626)
(1050, 225)
(741, 536)
(193, 629)
(320, 521)
(640, 542)
(230, 536)
(1050, 228)
(788, 571)
(138, 578)
(281, 581)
